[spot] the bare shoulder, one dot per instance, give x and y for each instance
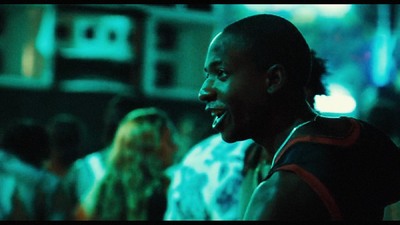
(285, 196)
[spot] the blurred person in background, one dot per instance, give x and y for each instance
(85, 171)
(27, 191)
(206, 183)
(28, 139)
(191, 131)
(134, 184)
(66, 138)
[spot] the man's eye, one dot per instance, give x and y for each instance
(222, 75)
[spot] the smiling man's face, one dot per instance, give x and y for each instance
(234, 89)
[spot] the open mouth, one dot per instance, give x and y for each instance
(218, 115)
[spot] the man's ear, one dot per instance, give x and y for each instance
(275, 78)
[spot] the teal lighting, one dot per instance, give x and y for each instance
(382, 48)
(381, 60)
(324, 10)
(45, 41)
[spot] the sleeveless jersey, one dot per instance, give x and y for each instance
(352, 166)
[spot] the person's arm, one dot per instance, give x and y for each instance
(285, 197)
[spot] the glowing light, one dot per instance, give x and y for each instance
(324, 10)
(267, 7)
(304, 15)
(28, 61)
(333, 10)
(340, 101)
(45, 41)
(382, 49)
(381, 64)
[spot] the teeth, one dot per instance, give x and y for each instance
(217, 119)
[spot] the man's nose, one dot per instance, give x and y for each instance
(206, 92)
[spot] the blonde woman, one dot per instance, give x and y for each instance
(134, 185)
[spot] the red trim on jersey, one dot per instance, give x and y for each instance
(337, 141)
(318, 187)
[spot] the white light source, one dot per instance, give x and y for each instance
(339, 101)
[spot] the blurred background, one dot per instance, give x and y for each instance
(75, 58)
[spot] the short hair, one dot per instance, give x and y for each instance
(274, 40)
(316, 85)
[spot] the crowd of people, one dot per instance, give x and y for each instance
(272, 156)
(47, 176)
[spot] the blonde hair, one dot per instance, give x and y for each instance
(134, 170)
